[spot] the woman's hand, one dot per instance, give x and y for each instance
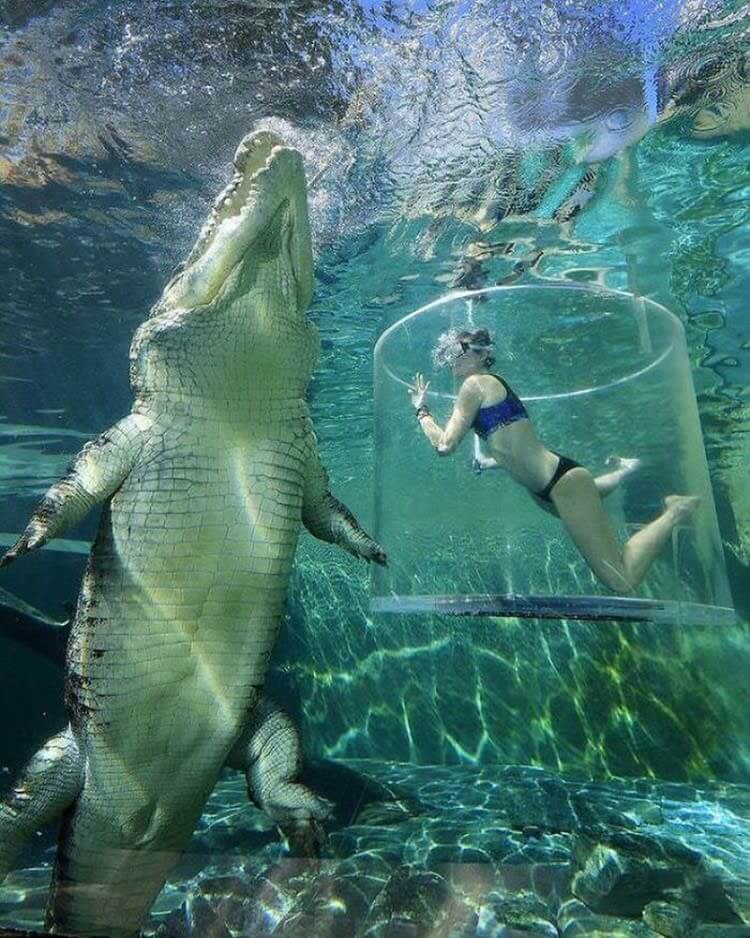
(418, 391)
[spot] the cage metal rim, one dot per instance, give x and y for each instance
(677, 330)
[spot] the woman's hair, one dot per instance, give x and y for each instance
(448, 346)
(478, 337)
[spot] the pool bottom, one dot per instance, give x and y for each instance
(591, 608)
(462, 851)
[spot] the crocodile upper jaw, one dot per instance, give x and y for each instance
(268, 179)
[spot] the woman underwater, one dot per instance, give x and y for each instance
(487, 405)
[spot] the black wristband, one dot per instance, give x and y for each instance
(422, 411)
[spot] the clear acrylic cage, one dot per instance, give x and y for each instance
(603, 373)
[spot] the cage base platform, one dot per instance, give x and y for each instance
(608, 608)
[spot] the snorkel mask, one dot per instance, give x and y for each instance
(449, 348)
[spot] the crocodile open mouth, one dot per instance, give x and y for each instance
(267, 188)
(254, 154)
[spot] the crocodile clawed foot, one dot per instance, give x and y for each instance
(30, 540)
(304, 838)
(372, 552)
(300, 815)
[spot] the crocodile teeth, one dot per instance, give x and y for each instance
(253, 156)
(253, 152)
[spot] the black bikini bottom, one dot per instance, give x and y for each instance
(563, 465)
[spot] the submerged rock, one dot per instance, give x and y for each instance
(521, 916)
(738, 894)
(330, 906)
(669, 919)
(575, 920)
(627, 871)
(413, 897)
(711, 890)
(721, 931)
(463, 861)
(617, 884)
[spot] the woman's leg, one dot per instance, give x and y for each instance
(606, 483)
(622, 468)
(641, 549)
(579, 507)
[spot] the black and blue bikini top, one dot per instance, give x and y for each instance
(501, 414)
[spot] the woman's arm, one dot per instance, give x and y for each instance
(464, 412)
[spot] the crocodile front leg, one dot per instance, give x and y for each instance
(269, 754)
(326, 518)
(55, 777)
(96, 473)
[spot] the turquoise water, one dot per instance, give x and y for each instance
(427, 129)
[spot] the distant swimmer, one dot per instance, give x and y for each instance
(488, 405)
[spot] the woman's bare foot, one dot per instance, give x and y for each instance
(623, 465)
(681, 506)
(480, 463)
(619, 468)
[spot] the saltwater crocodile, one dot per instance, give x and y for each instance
(205, 486)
